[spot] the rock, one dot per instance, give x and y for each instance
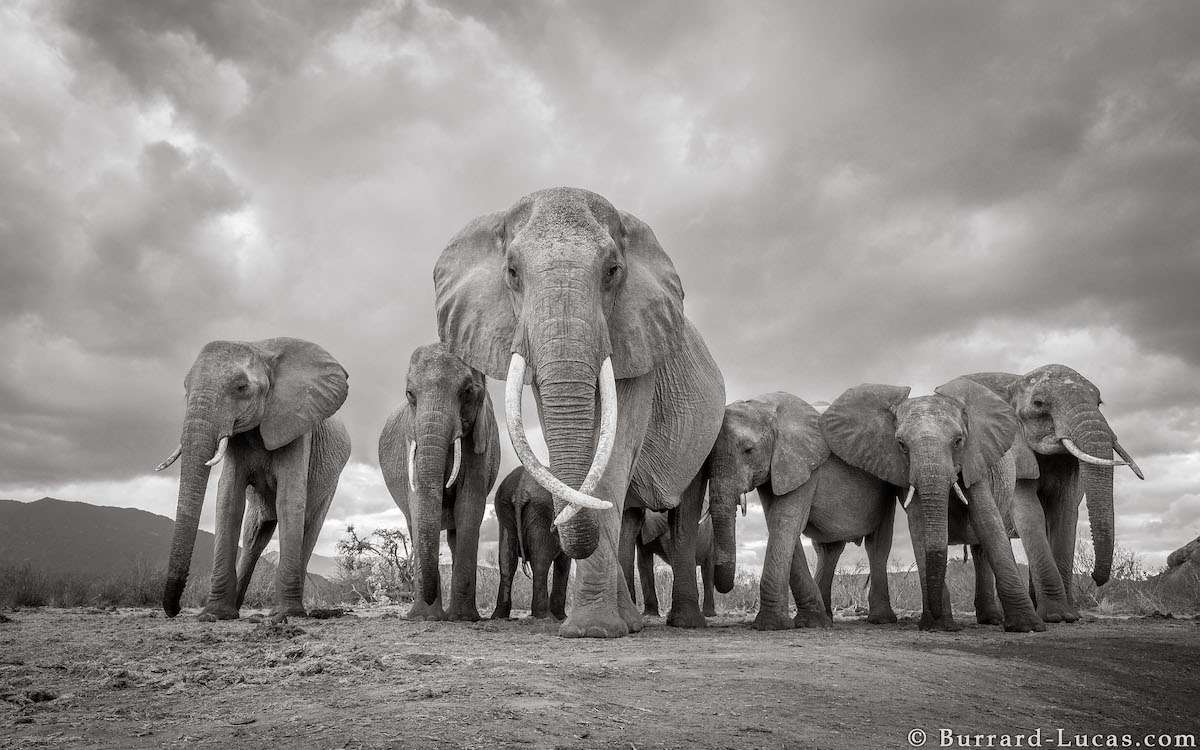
(1189, 552)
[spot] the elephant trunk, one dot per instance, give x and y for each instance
(933, 490)
(434, 436)
(1087, 427)
(198, 445)
(568, 399)
(722, 508)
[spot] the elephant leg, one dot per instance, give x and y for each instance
(685, 525)
(828, 554)
(464, 541)
(1046, 580)
(786, 516)
(1019, 614)
(291, 464)
(645, 564)
(602, 607)
(231, 506)
(631, 524)
(258, 529)
(710, 594)
(987, 608)
(540, 604)
(811, 610)
(508, 565)
(916, 532)
(558, 592)
(879, 549)
(1061, 525)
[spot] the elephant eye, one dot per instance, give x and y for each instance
(242, 388)
(613, 271)
(411, 398)
(903, 445)
(1039, 404)
(958, 441)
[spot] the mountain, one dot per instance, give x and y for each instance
(319, 565)
(58, 536)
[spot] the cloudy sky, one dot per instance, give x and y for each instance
(861, 191)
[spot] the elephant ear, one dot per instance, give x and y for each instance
(991, 426)
(860, 427)
(485, 419)
(307, 386)
(654, 525)
(799, 445)
(647, 316)
(474, 308)
(1005, 385)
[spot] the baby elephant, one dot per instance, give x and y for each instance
(655, 539)
(525, 511)
(440, 453)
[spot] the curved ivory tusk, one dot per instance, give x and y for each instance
(1087, 458)
(412, 465)
(457, 463)
(608, 427)
(961, 495)
(543, 476)
(744, 503)
(908, 498)
(170, 459)
(220, 454)
(1129, 459)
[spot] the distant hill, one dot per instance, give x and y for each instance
(319, 565)
(64, 537)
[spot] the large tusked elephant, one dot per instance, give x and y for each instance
(566, 289)
(928, 444)
(1063, 453)
(525, 513)
(437, 483)
(773, 444)
(264, 408)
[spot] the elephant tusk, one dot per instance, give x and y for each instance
(457, 462)
(1125, 455)
(742, 501)
(908, 498)
(961, 495)
(1088, 458)
(220, 454)
(170, 459)
(575, 499)
(412, 465)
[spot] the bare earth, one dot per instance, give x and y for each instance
(132, 678)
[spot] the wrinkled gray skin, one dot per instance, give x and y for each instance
(773, 444)
(525, 513)
(961, 433)
(566, 280)
(273, 399)
(1054, 402)
(654, 538)
(446, 400)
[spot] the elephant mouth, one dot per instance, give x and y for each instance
(574, 499)
(454, 467)
(218, 456)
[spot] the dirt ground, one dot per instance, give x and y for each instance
(132, 678)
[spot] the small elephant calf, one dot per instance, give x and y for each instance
(525, 511)
(654, 538)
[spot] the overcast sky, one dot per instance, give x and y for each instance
(858, 191)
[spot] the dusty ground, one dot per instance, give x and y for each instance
(132, 678)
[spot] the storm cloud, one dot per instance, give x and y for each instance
(864, 191)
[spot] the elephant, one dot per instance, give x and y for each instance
(774, 443)
(266, 409)
(928, 444)
(525, 511)
(581, 297)
(435, 483)
(1063, 454)
(654, 538)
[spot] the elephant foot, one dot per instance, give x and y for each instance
(946, 624)
(686, 615)
(988, 616)
(1056, 611)
(650, 612)
(882, 617)
(559, 614)
(214, 611)
(710, 611)
(1024, 623)
(805, 619)
(463, 613)
(427, 612)
(501, 613)
(773, 620)
(594, 622)
(280, 615)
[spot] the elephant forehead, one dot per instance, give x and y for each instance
(436, 362)
(928, 412)
(565, 213)
(1059, 375)
(223, 359)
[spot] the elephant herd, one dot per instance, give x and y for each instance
(577, 299)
